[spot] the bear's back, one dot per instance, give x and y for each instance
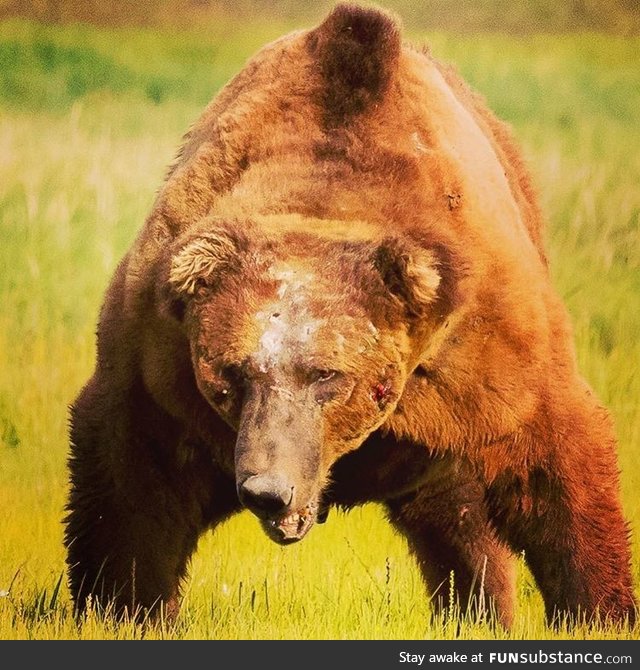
(345, 123)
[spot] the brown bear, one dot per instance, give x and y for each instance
(341, 296)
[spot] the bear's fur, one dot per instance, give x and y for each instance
(341, 296)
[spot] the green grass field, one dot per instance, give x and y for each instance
(89, 120)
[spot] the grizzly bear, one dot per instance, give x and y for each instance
(340, 296)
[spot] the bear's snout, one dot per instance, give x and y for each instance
(271, 498)
(265, 495)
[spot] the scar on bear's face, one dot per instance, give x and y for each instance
(287, 324)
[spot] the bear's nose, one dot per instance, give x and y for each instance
(265, 494)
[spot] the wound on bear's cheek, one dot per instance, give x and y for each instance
(380, 393)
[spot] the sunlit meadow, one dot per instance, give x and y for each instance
(89, 120)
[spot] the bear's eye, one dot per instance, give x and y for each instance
(322, 375)
(227, 384)
(221, 394)
(327, 384)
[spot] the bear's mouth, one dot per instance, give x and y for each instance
(294, 525)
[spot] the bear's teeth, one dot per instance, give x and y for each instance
(291, 519)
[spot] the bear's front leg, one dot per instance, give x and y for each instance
(446, 524)
(136, 505)
(565, 513)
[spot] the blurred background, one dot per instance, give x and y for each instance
(617, 16)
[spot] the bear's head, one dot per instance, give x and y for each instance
(302, 343)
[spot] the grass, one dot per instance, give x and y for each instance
(519, 18)
(91, 118)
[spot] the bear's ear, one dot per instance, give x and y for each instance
(200, 261)
(410, 272)
(196, 265)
